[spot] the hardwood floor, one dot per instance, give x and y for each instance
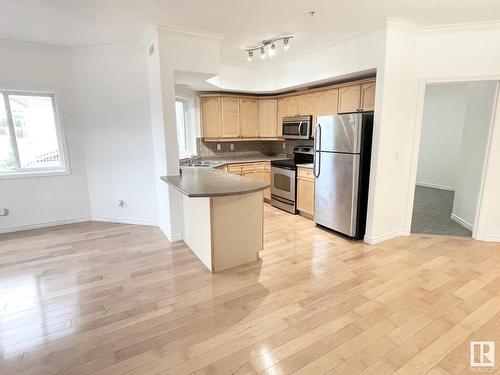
(99, 298)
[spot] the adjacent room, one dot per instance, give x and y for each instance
(455, 134)
(305, 187)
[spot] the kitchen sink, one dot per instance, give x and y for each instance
(206, 164)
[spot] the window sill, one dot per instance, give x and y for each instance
(5, 176)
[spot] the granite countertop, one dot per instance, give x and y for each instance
(209, 182)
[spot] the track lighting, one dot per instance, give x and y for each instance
(270, 44)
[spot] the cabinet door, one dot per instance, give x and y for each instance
(281, 114)
(349, 99)
(291, 105)
(249, 117)
(264, 177)
(325, 104)
(306, 104)
(268, 126)
(230, 117)
(305, 196)
(368, 96)
(211, 113)
(249, 174)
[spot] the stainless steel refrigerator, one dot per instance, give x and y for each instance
(342, 151)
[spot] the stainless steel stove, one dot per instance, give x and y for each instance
(284, 178)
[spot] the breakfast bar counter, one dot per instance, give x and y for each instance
(222, 216)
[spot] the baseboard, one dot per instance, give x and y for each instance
(384, 237)
(44, 224)
(461, 222)
(55, 223)
(488, 238)
(175, 238)
(122, 220)
(435, 186)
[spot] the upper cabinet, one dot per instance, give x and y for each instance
(230, 118)
(290, 106)
(268, 115)
(211, 117)
(306, 104)
(368, 96)
(249, 117)
(326, 102)
(349, 99)
(357, 98)
(237, 117)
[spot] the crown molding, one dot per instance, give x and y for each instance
(189, 31)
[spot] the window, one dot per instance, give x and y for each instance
(182, 133)
(30, 141)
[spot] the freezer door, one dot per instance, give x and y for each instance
(336, 192)
(339, 133)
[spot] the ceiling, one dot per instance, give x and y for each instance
(240, 23)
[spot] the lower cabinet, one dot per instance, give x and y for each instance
(305, 191)
(260, 172)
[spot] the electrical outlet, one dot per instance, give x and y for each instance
(284, 145)
(120, 203)
(231, 146)
(219, 147)
(4, 212)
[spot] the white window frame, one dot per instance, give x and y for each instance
(19, 172)
(188, 153)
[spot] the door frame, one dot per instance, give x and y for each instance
(417, 132)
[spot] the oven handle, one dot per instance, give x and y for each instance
(317, 153)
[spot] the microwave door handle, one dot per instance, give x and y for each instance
(300, 128)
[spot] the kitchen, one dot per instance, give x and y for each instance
(325, 175)
(188, 187)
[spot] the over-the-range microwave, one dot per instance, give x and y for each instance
(297, 127)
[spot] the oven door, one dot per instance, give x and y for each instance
(298, 129)
(283, 183)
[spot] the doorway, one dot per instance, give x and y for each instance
(456, 124)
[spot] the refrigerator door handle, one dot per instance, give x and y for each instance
(317, 153)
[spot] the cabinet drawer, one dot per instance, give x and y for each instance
(262, 166)
(267, 166)
(240, 167)
(305, 173)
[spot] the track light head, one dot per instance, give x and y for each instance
(272, 50)
(262, 53)
(286, 43)
(250, 56)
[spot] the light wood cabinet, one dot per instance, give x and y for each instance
(325, 104)
(211, 115)
(230, 118)
(291, 106)
(236, 117)
(260, 171)
(249, 117)
(349, 98)
(368, 96)
(306, 104)
(305, 191)
(268, 118)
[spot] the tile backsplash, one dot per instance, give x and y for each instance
(209, 149)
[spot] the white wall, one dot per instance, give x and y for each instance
(39, 201)
(442, 127)
(112, 92)
(476, 129)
